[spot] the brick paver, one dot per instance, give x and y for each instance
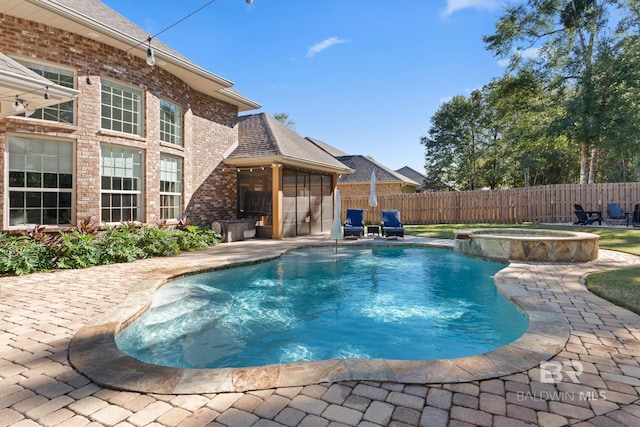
(598, 371)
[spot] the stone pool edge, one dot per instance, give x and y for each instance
(93, 350)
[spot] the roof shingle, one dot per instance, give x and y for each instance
(364, 166)
(262, 136)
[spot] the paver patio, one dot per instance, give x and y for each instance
(593, 381)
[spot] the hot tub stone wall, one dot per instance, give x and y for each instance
(539, 247)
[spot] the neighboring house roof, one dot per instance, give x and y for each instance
(363, 167)
(94, 19)
(412, 174)
(328, 148)
(263, 139)
(16, 79)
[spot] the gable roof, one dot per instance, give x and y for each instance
(412, 174)
(363, 167)
(15, 79)
(263, 139)
(94, 19)
(326, 147)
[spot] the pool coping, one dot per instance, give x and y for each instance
(93, 350)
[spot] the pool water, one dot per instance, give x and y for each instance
(404, 303)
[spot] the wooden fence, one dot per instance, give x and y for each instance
(548, 203)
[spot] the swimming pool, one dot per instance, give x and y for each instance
(402, 303)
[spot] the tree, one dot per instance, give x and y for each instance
(457, 141)
(535, 148)
(505, 135)
(284, 119)
(575, 40)
(620, 157)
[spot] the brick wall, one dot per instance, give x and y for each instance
(354, 190)
(209, 126)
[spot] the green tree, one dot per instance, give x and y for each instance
(574, 41)
(285, 120)
(619, 158)
(456, 144)
(536, 150)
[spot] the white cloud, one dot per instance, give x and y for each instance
(456, 5)
(531, 52)
(325, 44)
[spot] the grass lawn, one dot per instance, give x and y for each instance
(621, 287)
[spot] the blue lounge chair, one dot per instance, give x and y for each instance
(391, 224)
(354, 226)
(616, 215)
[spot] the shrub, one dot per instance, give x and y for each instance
(120, 244)
(192, 237)
(78, 250)
(36, 250)
(19, 256)
(156, 242)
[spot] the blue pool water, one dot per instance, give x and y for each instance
(313, 304)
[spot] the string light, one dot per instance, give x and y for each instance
(151, 59)
(249, 169)
(18, 106)
(150, 55)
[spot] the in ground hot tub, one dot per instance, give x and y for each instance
(519, 244)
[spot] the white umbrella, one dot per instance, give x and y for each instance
(336, 227)
(373, 200)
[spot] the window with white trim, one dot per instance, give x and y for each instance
(170, 187)
(170, 122)
(121, 108)
(63, 112)
(121, 184)
(40, 181)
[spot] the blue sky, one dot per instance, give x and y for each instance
(363, 76)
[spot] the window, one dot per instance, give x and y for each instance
(121, 184)
(40, 181)
(170, 187)
(170, 123)
(62, 112)
(121, 109)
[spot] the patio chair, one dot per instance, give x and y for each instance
(635, 217)
(614, 211)
(391, 224)
(615, 214)
(586, 217)
(354, 225)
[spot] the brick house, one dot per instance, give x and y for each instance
(388, 181)
(90, 130)
(415, 176)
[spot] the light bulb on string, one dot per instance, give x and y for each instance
(18, 106)
(151, 59)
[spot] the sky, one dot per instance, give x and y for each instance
(363, 76)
